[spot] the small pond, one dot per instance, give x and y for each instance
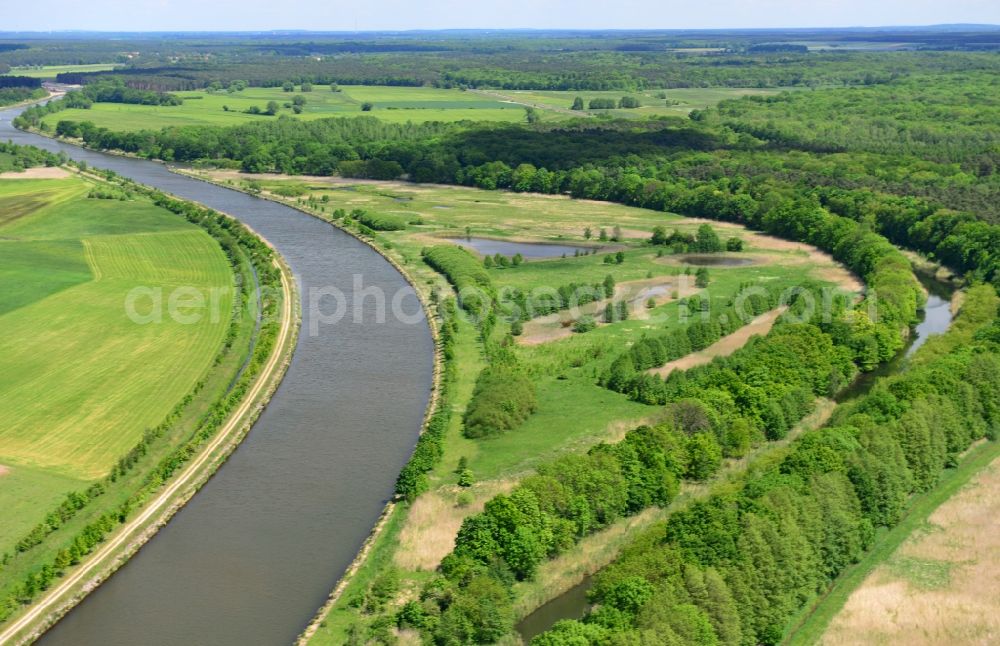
(530, 250)
(572, 604)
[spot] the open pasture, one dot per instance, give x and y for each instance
(50, 71)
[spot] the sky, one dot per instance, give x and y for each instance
(365, 15)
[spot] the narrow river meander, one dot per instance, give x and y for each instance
(935, 319)
(253, 555)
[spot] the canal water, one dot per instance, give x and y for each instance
(254, 554)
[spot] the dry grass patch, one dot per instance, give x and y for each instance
(558, 325)
(941, 586)
(41, 172)
(434, 520)
(724, 346)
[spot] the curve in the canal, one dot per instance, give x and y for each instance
(253, 555)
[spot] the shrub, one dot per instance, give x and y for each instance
(381, 221)
(503, 398)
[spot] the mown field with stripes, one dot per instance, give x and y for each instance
(82, 378)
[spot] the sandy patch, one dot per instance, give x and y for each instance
(434, 520)
(724, 346)
(556, 326)
(42, 172)
(941, 586)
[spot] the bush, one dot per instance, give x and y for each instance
(503, 398)
(469, 278)
(380, 221)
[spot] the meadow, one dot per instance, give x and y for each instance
(652, 103)
(82, 381)
(389, 103)
(49, 72)
(392, 104)
(564, 364)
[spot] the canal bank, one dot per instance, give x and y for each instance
(252, 556)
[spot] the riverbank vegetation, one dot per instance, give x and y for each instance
(80, 256)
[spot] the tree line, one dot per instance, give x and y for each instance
(736, 568)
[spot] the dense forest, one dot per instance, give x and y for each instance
(555, 60)
(734, 568)
(15, 89)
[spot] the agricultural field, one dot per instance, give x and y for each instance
(393, 104)
(50, 71)
(82, 380)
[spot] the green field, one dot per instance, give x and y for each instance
(82, 381)
(672, 102)
(391, 103)
(50, 71)
(394, 104)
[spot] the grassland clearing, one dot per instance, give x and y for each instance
(50, 71)
(388, 103)
(672, 102)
